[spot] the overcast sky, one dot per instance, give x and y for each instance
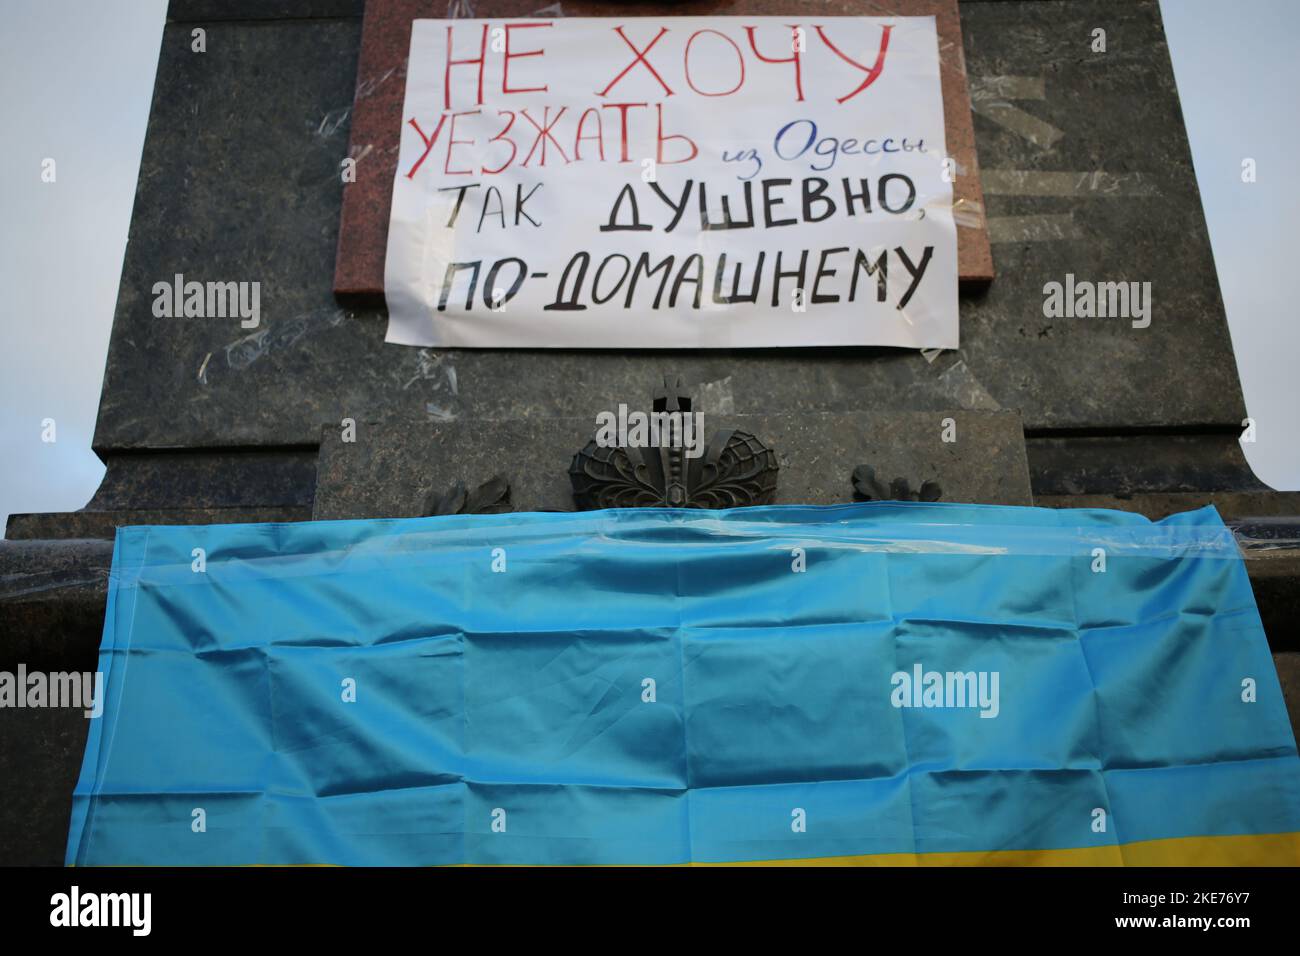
(78, 76)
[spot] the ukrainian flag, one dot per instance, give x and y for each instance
(884, 683)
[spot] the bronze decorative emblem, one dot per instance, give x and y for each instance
(736, 469)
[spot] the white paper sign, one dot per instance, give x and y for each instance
(679, 182)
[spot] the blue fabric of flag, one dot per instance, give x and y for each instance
(656, 686)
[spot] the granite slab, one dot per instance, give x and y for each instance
(1127, 464)
(103, 525)
(40, 760)
(393, 469)
(207, 479)
(52, 597)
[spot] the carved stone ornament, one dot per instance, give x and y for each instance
(735, 470)
(490, 498)
(867, 487)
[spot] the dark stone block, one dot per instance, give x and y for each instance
(40, 759)
(1118, 114)
(104, 524)
(393, 469)
(184, 479)
(1131, 464)
(1288, 674)
(185, 487)
(239, 181)
(52, 597)
(1155, 505)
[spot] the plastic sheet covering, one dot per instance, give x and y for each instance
(664, 687)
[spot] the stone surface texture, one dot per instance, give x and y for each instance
(392, 469)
